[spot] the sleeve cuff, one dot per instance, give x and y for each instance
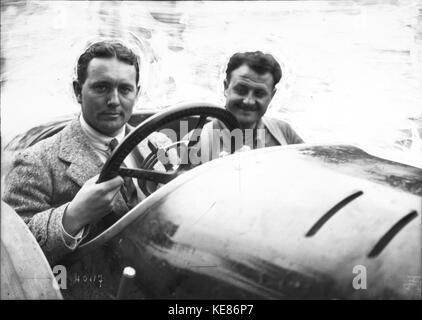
(70, 241)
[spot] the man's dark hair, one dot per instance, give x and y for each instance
(106, 49)
(257, 61)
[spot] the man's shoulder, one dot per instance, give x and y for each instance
(268, 120)
(282, 130)
(50, 146)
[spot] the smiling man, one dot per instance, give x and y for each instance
(250, 85)
(52, 185)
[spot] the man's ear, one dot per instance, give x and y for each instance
(137, 94)
(273, 93)
(77, 89)
(226, 86)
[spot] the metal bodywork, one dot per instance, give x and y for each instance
(296, 222)
(25, 272)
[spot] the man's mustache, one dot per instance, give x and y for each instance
(247, 106)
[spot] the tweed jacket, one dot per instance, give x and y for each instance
(45, 177)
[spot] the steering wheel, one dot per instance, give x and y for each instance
(112, 167)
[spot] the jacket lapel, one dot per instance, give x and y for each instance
(274, 129)
(84, 163)
(75, 150)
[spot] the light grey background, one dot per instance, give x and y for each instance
(352, 70)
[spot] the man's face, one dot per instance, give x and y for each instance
(108, 94)
(248, 95)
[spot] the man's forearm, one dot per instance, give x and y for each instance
(46, 226)
(70, 224)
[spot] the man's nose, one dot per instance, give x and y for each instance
(249, 99)
(113, 98)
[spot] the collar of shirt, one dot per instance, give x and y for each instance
(259, 137)
(256, 137)
(99, 141)
(259, 125)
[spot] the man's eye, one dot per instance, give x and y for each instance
(241, 90)
(260, 94)
(126, 90)
(101, 88)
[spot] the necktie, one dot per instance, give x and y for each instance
(128, 189)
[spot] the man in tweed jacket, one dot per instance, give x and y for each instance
(52, 184)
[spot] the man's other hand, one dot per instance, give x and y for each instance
(91, 203)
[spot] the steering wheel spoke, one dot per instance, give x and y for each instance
(150, 175)
(197, 131)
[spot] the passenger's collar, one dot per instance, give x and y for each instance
(97, 139)
(260, 124)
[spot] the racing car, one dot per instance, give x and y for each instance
(307, 221)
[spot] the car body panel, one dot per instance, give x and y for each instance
(25, 272)
(238, 227)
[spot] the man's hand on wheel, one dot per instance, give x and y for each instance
(91, 203)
